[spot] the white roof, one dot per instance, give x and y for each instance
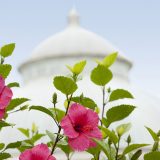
(74, 41)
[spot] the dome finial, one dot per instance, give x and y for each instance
(73, 17)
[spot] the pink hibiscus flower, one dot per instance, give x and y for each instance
(5, 97)
(80, 125)
(39, 152)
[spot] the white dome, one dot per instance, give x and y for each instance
(74, 40)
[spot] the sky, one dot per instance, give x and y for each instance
(131, 25)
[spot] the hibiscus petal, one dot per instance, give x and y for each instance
(5, 98)
(95, 133)
(51, 158)
(26, 155)
(40, 152)
(68, 128)
(77, 112)
(2, 113)
(2, 83)
(81, 143)
(92, 144)
(92, 118)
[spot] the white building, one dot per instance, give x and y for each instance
(70, 45)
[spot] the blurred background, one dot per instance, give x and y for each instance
(132, 26)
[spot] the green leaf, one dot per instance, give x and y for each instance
(51, 135)
(101, 75)
(60, 114)
(78, 67)
(110, 59)
(24, 147)
(111, 134)
(13, 145)
(65, 85)
(155, 146)
(136, 155)
(16, 102)
(94, 151)
(103, 146)
(2, 145)
(14, 84)
(42, 109)
(123, 128)
(65, 148)
(27, 142)
(153, 134)
(34, 128)
(5, 70)
(104, 135)
(133, 147)
(5, 124)
(121, 157)
(4, 156)
(105, 122)
(24, 131)
(118, 113)
(37, 137)
(70, 68)
(85, 101)
(152, 156)
(7, 50)
(119, 94)
(24, 107)
(57, 114)
(98, 62)
(63, 141)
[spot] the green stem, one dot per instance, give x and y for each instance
(56, 120)
(103, 107)
(117, 148)
(69, 101)
(56, 141)
(98, 156)
(59, 130)
(20, 109)
(103, 104)
(68, 157)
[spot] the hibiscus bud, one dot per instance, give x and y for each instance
(109, 90)
(54, 98)
(129, 139)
